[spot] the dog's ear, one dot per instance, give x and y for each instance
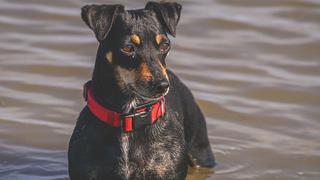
(100, 18)
(168, 14)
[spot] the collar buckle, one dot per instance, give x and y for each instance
(137, 119)
(136, 112)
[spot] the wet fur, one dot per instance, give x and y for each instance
(161, 151)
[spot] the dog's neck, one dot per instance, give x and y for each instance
(106, 89)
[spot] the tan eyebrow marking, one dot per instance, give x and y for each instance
(109, 56)
(158, 38)
(135, 39)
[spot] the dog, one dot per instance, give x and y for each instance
(140, 121)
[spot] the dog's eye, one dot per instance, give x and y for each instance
(164, 47)
(128, 49)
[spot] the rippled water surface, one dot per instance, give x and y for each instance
(253, 66)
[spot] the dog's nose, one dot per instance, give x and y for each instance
(162, 86)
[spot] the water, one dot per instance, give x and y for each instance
(253, 67)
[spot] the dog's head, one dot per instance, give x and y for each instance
(134, 44)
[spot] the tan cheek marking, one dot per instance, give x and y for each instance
(135, 39)
(164, 70)
(125, 77)
(158, 38)
(145, 72)
(109, 56)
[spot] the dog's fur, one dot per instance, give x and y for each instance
(129, 70)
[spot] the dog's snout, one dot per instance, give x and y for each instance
(162, 86)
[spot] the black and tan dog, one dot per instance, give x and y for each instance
(141, 121)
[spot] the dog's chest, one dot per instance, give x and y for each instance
(149, 157)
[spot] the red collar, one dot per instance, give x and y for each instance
(146, 114)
